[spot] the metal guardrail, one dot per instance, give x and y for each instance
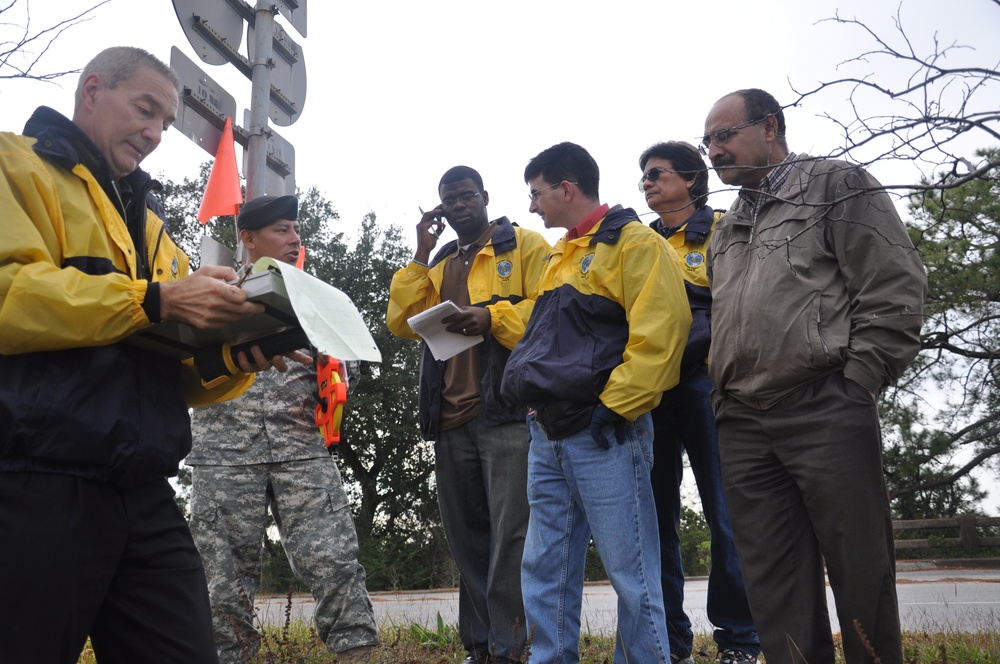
(968, 528)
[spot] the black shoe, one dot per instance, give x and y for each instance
(734, 656)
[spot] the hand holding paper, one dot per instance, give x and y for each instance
(431, 327)
(327, 316)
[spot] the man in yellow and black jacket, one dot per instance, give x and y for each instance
(90, 426)
(603, 343)
(480, 441)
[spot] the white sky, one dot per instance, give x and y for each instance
(398, 92)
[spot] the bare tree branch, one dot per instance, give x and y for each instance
(935, 103)
(21, 55)
(976, 461)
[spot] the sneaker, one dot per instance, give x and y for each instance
(733, 656)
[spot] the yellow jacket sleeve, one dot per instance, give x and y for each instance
(659, 318)
(411, 291)
(45, 302)
(509, 319)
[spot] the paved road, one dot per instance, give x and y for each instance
(932, 599)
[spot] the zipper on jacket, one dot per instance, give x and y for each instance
(741, 354)
(138, 234)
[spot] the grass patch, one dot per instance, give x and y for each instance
(297, 643)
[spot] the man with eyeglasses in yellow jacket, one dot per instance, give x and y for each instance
(604, 342)
(480, 441)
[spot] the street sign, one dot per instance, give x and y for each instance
(205, 105)
(279, 179)
(295, 12)
(288, 76)
(288, 85)
(206, 23)
(215, 30)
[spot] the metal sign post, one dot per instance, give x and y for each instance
(288, 75)
(275, 67)
(259, 93)
(279, 179)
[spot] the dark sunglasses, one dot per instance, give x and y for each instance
(653, 175)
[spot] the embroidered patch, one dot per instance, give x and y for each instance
(694, 260)
(504, 268)
(174, 269)
(585, 263)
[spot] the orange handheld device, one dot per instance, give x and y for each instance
(331, 395)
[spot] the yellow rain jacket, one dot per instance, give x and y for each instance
(502, 276)
(74, 398)
(610, 322)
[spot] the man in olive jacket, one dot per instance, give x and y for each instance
(817, 300)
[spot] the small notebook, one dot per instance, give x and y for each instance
(443, 344)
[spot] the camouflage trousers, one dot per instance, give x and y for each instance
(229, 507)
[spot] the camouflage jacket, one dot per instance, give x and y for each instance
(272, 422)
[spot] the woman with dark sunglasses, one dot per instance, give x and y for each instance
(675, 183)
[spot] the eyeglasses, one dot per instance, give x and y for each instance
(722, 136)
(535, 193)
(466, 198)
(653, 175)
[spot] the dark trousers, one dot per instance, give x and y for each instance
(80, 558)
(482, 478)
(684, 421)
(804, 485)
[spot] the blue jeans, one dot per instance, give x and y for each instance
(684, 421)
(575, 489)
(482, 475)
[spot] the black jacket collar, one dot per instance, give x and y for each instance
(503, 240)
(696, 227)
(611, 228)
(61, 142)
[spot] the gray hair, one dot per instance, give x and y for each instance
(118, 64)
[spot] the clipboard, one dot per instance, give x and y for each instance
(181, 341)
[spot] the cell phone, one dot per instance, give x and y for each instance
(438, 226)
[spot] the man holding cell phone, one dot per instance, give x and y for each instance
(480, 439)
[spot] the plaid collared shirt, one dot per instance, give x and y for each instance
(769, 185)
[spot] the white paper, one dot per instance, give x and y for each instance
(327, 316)
(443, 344)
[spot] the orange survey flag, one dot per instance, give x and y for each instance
(222, 193)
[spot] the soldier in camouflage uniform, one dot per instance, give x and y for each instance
(264, 451)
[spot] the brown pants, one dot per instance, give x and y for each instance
(804, 485)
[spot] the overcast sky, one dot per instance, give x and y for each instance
(398, 91)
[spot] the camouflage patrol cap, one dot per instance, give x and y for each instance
(265, 210)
